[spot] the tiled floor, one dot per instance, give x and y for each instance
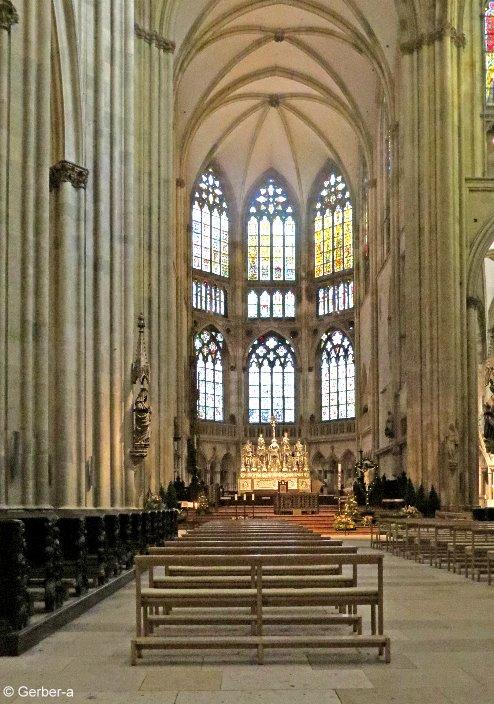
(442, 645)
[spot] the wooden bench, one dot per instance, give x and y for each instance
(256, 596)
(490, 565)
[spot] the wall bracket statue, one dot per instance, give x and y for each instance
(141, 410)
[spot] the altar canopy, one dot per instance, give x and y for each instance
(264, 466)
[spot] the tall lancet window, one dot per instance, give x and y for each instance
(208, 346)
(333, 226)
(210, 225)
(489, 52)
(337, 377)
(271, 233)
(271, 372)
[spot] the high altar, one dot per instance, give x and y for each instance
(264, 466)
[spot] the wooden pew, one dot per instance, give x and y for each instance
(45, 560)
(256, 597)
(15, 604)
(98, 569)
(490, 565)
(74, 552)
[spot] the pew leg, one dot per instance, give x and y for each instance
(133, 654)
(373, 619)
(387, 651)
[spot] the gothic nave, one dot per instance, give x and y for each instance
(246, 271)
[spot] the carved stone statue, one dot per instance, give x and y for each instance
(389, 428)
(489, 427)
(286, 452)
(274, 456)
(248, 454)
(142, 422)
(299, 455)
(261, 453)
(451, 444)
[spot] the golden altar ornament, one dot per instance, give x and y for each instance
(263, 466)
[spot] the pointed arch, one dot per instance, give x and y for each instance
(272, 228)
(337, 376)
(332, 222)
(209, 351)
(210, 224)
(271, 379)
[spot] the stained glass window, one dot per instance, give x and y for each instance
(337, 376)
(333, 227)
(271, 372)
(278, 304)
(208, 346)
(334, 299)
(271, 232)
(489, 52)
(210, 226)
(208, 297)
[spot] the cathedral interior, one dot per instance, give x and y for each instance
(224, 219)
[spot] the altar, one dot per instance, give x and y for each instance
(264, 467)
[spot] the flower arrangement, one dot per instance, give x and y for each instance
(343, 522)
(410, 512)
(351, 507)
(368, 521)
(202, 503)
(153, 502)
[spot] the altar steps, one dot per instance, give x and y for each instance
(321, 523)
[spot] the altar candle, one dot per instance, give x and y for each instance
(253, 497)
(236, 497)
(245, 497)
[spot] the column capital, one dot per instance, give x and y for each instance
(436, 35)
(67, 172)
(155, 39)
(8, 15)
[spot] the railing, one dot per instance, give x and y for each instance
(335, 427)
(217, 430)
(239, 432)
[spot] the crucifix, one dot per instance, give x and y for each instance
(272, 423)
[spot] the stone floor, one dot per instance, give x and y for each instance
(442, 648)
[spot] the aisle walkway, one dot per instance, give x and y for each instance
(442, 644)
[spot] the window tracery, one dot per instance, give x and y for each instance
(337, 377)
(271, 379)
(208, 346)
(271, 233)
(333, 227)
(210, 226)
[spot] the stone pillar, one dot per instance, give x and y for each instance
(67, 186)
(432, 219)
(28, 257)
(128, 249)
(109, 213)
(155, 293)
(102, 445)
(8, 18)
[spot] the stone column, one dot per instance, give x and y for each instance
(28, 256)
(128, 249)
(432, 216)
(154, 223)
(67, 186)
(8, 18)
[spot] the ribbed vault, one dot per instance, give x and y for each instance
(284, 84)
